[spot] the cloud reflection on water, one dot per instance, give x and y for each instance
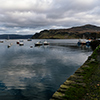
(23, 67)
(38, 69)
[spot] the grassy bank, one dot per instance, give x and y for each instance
(84, 84)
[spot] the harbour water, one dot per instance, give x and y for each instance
(35, 73)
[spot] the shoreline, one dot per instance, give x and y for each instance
(84, 83)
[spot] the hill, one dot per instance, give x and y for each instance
(89, 31)
(13, 36)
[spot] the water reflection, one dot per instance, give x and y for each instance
(36, 73)
(85, 47)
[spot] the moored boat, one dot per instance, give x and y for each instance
(10, 45)
(38, 43)
(80, 42)
(45, 43)
(31, 46)
(29, 39)
(88, 42)
(21, 43)
(1, 41)
(17, 42)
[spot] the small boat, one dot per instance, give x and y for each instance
(1, 41)
(31, 46)
(81, 42)
(38, 43)
(21, 43)
(17, 42)
(45, 43)
(10, 45)
(88, 42)
(29, 39)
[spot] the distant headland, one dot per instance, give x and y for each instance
(88, 31)
(14, 36)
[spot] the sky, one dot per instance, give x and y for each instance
(31, 16)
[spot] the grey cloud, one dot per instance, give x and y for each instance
(37, 15)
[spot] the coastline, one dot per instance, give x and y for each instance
(84, 84)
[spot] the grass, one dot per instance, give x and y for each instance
(74, 93)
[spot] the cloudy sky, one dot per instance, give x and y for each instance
(31, 16)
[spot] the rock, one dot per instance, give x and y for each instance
(92, 60)
(58, 95)
(84, 66)
(64, 86)
(80, 70)
(69, 82)
(61, 90)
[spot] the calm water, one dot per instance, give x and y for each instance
(36, 73)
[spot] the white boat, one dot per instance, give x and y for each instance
(82, 42)
(38, 43)
(46, 43)
(21, 43)
(10, 45)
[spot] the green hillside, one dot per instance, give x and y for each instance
(89, 31)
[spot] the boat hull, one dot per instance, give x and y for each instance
(38, 44)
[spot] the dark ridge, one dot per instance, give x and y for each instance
(13, 36)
